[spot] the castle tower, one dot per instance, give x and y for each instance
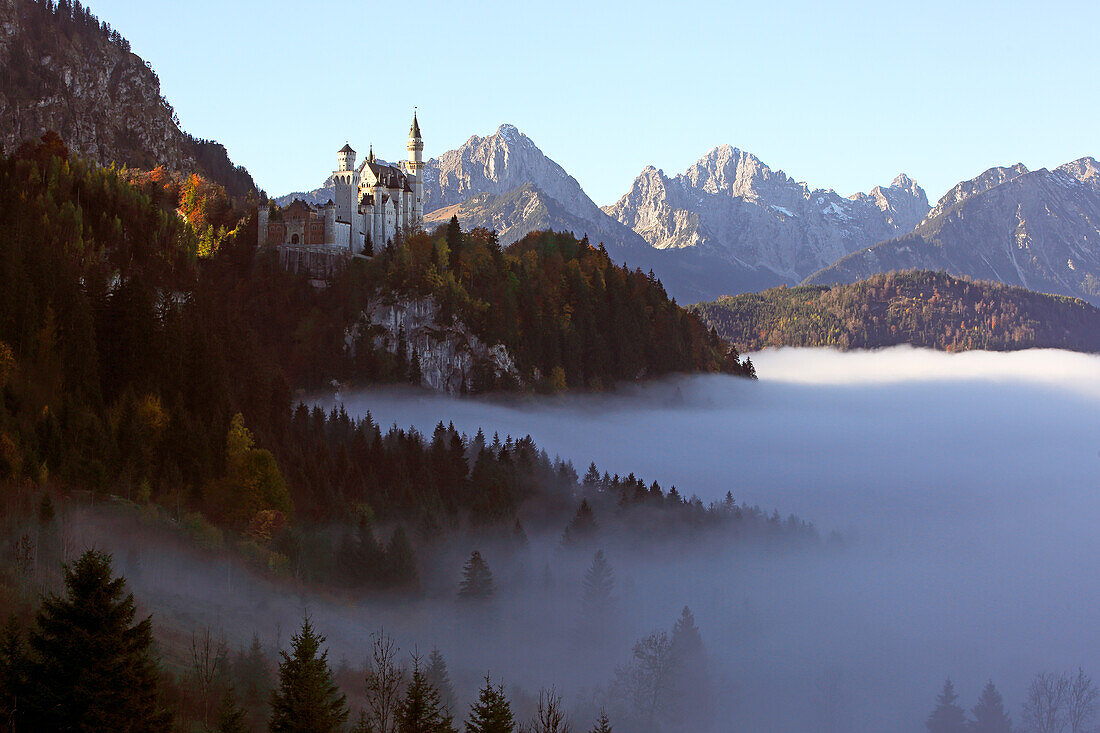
(345, 159)
(415, 170)
(346, 183)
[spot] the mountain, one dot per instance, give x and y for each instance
(733, 207)
(65, 71)
(921, 308)
(1037, 229)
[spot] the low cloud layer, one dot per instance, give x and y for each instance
(967, 486)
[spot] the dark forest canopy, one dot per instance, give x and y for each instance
(924, 309)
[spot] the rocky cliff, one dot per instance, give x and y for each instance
(1037, 229)
(449, 356)
(731, 206)
(74, 76)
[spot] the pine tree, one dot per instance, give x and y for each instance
(948, 717)
(603, 725)
(492, 713)
(989, 713)
(401, 559)
(599, 583)
(101, 670)
(439, 678)
(422, 711)
(582, 527)
(14, 680)
(687, 643)
(692, 681)
(477, 580)
(251, 672)
(230, 714)
(307, 699)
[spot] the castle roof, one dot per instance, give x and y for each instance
(346, 149)
(387, 175)
(414, 131)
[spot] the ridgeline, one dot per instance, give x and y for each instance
(925, 309)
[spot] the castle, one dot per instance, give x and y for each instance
(370, 206)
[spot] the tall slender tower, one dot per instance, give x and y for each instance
(346, 184)
(415, 169)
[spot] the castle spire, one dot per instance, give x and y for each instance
(370, 157)
(414, 131)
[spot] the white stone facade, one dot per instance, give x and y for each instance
(372, 204)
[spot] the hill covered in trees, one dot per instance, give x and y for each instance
(922, 308)
(568, 316)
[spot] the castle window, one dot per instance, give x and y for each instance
(294, 239)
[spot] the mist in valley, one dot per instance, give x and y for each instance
(963, 488)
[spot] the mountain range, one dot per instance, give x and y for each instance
(1036, 229)
(731, 224)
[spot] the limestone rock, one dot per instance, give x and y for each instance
(447, 352)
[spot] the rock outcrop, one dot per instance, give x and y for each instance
(449, 356)
(70, 77)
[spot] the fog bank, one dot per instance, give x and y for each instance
(965, 484)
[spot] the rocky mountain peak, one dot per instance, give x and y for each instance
(730, 170)
(989, 179)
(496, 164)
(732, 206)
(1083, 169)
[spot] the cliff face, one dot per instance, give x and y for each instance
(448, 354)
(70, 76)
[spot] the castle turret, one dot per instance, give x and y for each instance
(345, 159)
(345, 181)
(415, 169)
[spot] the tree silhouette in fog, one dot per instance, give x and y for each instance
(477, 580)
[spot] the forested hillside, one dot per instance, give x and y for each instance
(566, 313)
(922, 308)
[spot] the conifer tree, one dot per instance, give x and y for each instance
(596, 601)
(401, 559)
(14, 681)
(307, 699)
(989, 713)
(687, 643)
(101, 670)
(438, 677)
(948, 717)
(582, 527)
(422, 710)
(492, 713)
(230, 714)
(477, 580)
(603, 725)
(251, 672)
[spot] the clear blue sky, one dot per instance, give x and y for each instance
(841, 95)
